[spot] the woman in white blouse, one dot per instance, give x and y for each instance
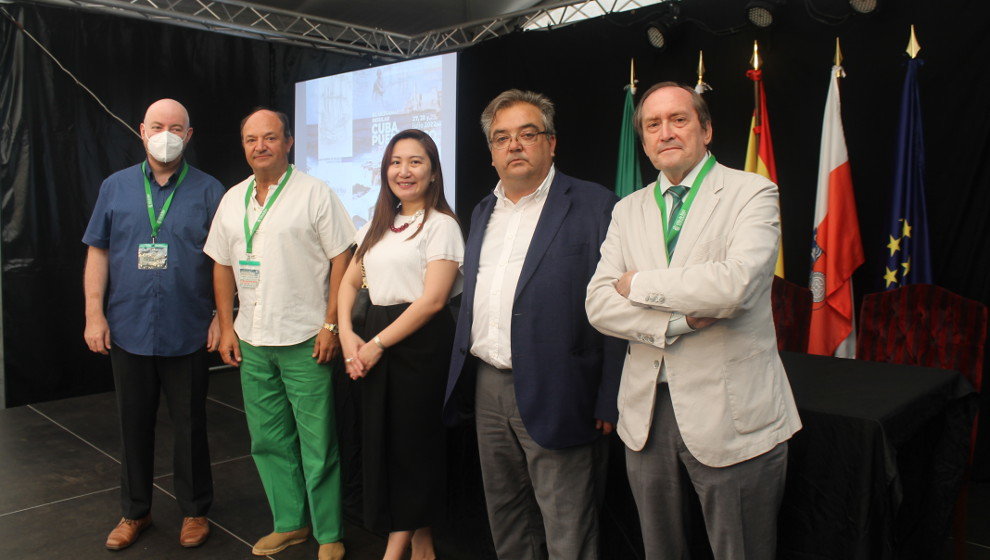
(411, 251)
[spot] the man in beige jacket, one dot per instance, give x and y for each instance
(685, 277)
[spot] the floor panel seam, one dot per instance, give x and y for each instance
(231, 460)
(82, 439)
(60, 501)
(221, 403)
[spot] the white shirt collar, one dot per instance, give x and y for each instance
(540, 192)
(277, 181)
(665, 183)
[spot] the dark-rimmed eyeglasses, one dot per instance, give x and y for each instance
(525, 138)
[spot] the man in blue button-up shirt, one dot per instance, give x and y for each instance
(149, 303)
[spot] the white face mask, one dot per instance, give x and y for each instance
(165, 146)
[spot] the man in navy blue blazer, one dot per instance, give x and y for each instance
(543, 382)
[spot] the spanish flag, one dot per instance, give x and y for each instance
(759, 151)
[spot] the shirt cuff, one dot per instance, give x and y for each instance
(676, 326)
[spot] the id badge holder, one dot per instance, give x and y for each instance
(152, 256)
(248, 273)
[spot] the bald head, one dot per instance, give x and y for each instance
(167, 111)
(165, 115)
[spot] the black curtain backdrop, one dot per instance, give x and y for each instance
(57, 144)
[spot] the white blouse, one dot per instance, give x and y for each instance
(396, 265)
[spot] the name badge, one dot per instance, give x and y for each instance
(152, 256)
(248, 273)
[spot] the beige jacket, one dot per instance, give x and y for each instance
(730, 393)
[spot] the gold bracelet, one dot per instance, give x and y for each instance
(332, 327)
(378, 342)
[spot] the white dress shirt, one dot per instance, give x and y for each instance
(396, 265)
(306, 227)
(503, 251)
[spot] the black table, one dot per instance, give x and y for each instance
(876, 470)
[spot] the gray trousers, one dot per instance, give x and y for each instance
(539, 501)
(739, 502)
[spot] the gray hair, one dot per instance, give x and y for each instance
(700, 106)
(512, 97)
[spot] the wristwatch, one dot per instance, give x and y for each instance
(332, 327)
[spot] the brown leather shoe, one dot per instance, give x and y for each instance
(194, 532)
(277, 542)
(126, 532)
(331, 551)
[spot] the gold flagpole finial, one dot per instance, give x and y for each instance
(913, 47)
(701, 67)
(839, 73)
(632, 75)
(755, 60)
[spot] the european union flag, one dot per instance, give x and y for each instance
(908, 260)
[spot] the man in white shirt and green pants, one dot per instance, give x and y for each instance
(281, 240)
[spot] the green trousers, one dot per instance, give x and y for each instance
(288, 400)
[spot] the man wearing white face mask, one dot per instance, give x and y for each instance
(145, 242)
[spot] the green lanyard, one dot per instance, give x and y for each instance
(673, 230)
(156, 224)
(250, 231)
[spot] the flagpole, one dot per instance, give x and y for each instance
(755, 63)
(632, 76)
(702, 86)
(838, 58)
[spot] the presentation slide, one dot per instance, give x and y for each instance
(344, 122)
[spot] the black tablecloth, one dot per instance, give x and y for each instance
(876, 469)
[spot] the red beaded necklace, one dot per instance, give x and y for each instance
(404, 226)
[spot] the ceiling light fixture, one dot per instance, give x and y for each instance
(864, 6)
(762, 13)
(660, 31)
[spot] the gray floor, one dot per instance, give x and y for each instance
(59, 488)
(59, 495)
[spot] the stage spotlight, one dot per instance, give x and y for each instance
(864, 6)
(761, 12)
(661, 30)
(657, 34)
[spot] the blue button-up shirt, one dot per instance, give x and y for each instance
(157, 312)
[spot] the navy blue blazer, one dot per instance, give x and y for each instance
(566, 373)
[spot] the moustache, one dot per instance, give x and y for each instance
(669, 145)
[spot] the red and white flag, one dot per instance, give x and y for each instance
(837, 249)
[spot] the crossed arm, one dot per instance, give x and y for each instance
(713, 289)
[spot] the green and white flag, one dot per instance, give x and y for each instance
(628, 177)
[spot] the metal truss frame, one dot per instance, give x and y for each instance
(255, 21)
